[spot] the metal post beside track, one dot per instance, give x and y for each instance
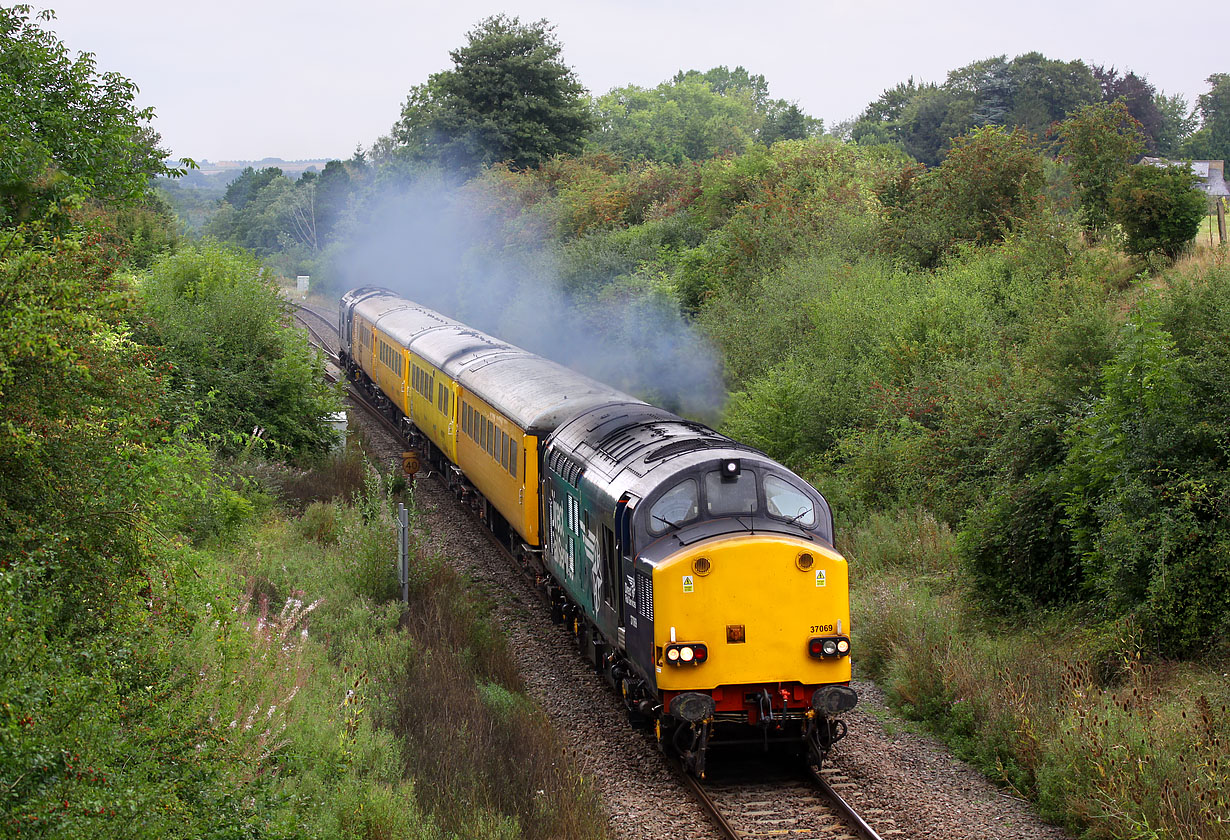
(403, 551)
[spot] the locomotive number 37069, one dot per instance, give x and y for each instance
(822, 628)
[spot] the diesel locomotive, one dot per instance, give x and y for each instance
(698, 574)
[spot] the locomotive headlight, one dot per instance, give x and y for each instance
(824, 647)
(690, 653)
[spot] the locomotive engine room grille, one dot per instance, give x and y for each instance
(565, 468)
(644, 594)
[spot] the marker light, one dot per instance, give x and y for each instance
(823, 647)
(692, 653)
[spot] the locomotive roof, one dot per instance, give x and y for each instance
(639, 438)
(638, 449)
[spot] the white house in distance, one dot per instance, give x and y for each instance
(1212, 174)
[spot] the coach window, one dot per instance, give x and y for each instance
(725, 495)
(678, 505)
(786, 501)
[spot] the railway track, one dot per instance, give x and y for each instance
(779, 799)
(746, 801)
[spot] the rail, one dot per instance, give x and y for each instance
(786, 804)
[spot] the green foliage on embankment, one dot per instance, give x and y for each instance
(1023, 435)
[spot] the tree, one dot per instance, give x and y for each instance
(65, 129)
(247, 184)
(1141, 100)
(1100, 142)
(1178, 121)
(1029, 92)
(509, 98)
(696, 116)
(1212, 141)
(685, 119)
(989, 185)
(1159, 207)
(779, 119)
(334, 188)
(1147, 473)
(1044, 90)
(726, 82)
(787, 121)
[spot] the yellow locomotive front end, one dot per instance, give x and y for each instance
(744, 612)
(749, 608)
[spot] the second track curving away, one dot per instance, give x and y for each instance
(321, 327)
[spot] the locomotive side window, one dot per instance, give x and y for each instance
(785, 500)
(678, 505)
(725, 495)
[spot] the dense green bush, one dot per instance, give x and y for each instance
(235, 361)
(1149, 486)
(768, 208)
(989, 185)
(1159, 208)
(1017, 545)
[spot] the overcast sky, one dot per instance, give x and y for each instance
(233, 80)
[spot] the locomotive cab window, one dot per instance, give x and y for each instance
(726, 494)
(786, 501)
(678, 505)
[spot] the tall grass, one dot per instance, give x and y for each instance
(422, 699)
(1111, 740)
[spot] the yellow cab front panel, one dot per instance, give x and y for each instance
(755, 603)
